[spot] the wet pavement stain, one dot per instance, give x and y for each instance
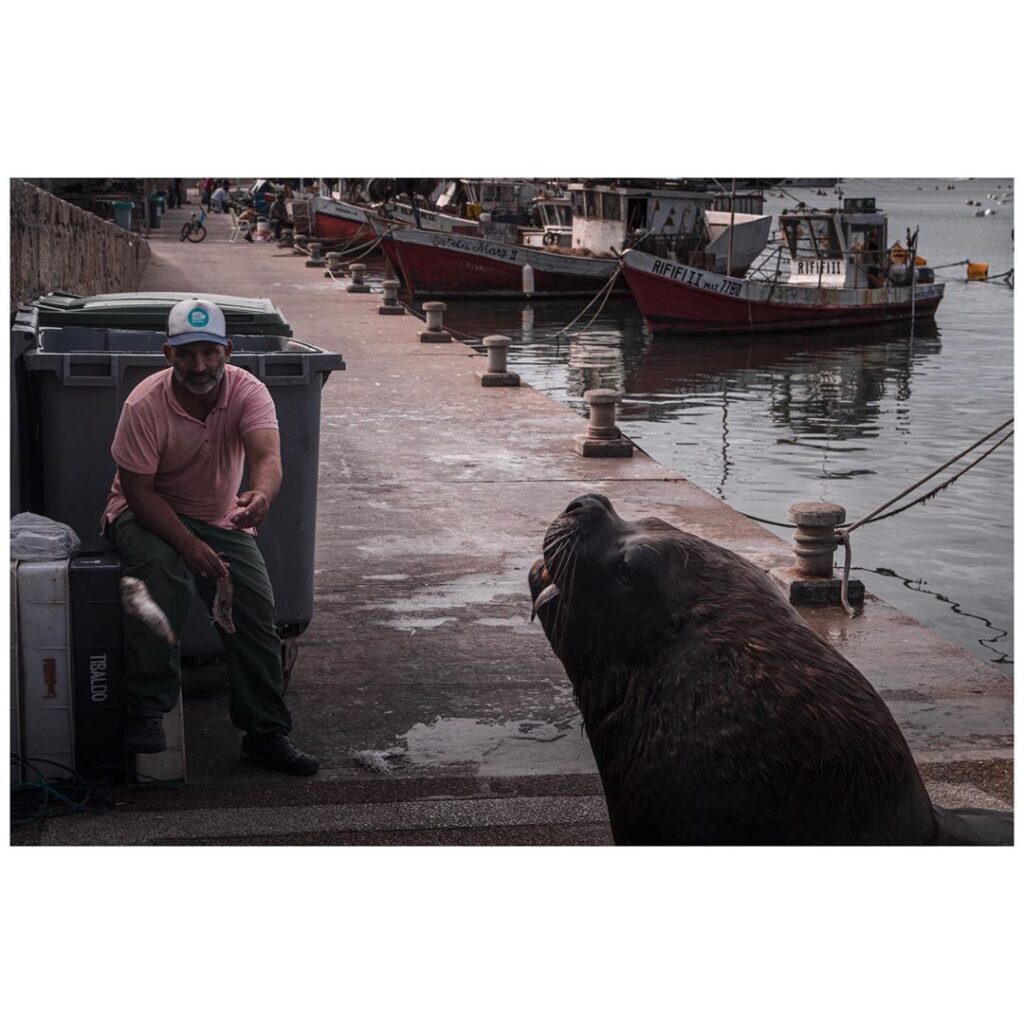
(491, 748)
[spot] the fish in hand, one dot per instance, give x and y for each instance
(138, 602)
(222, 601)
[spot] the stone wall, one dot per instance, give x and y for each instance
(58, 247)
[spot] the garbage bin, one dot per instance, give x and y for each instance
(122, 214)
(25, 465)
(147, 311)
(82, 376)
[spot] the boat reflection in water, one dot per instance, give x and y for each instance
(834, 380)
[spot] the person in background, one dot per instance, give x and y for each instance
(278, 215)
(248, 218)
(205, 193)
(174, 194)
(219, 199)
(175, 515)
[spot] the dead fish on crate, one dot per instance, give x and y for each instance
(222, 602)
(137, 601)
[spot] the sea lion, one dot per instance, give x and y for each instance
(715, 714)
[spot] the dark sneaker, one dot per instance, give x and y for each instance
(278, 754)
(144, 733)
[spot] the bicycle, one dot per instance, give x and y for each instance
(194, 229)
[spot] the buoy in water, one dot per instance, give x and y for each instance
(527, 279)
(977, 271)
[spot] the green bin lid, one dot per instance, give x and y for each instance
(147, 311)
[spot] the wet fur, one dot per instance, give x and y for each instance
(715, 714)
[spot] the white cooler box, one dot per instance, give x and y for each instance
(44, 657)
(43, 726)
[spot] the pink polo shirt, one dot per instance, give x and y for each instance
(198, 465)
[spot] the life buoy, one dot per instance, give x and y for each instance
(549, 238)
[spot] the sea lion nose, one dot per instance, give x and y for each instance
(585, 501)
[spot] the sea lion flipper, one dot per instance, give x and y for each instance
(971, 826)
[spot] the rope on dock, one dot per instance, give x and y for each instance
(39, 798)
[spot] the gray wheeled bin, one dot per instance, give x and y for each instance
(82, 376)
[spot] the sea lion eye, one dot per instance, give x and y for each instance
(625, 572)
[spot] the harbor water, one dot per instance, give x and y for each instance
(846, 416)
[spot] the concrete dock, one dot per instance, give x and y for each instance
(437, 708)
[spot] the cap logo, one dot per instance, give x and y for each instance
(198, 317)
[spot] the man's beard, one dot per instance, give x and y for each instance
(202, 387)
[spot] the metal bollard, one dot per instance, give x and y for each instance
(357, 285)
(811, 580)
(435, 332)
(334, 265)
(391, 305)
(603, 439)
(815, 540)
(497, 374)
(315, 259)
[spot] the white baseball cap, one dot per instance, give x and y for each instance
(195, 320)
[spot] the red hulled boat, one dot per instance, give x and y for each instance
(840, 274)
(431, 263)
(334, 219)
(490, 264)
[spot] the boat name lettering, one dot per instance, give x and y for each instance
(677, 272)
(687, 275)
(822, 267)
(474, 245)
(724, 287)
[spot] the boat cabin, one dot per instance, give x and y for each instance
(551, 218)
(837, 248)
(607, 217)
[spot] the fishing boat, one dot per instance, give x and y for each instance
(831, 268)
(334, 219)
(604, 218)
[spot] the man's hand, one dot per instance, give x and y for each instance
(203, 560)
(252, 510)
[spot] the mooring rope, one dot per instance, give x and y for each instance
(606, 290)
(844, 530)
(358, 256)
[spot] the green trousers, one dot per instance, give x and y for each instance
(152, 669)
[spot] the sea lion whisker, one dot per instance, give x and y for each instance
(551, 554)
(569, 586)
(558, 622)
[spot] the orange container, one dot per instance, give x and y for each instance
(977, 271)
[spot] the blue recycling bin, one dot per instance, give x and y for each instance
(122, 213)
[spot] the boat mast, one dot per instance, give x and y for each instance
(732, 224)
